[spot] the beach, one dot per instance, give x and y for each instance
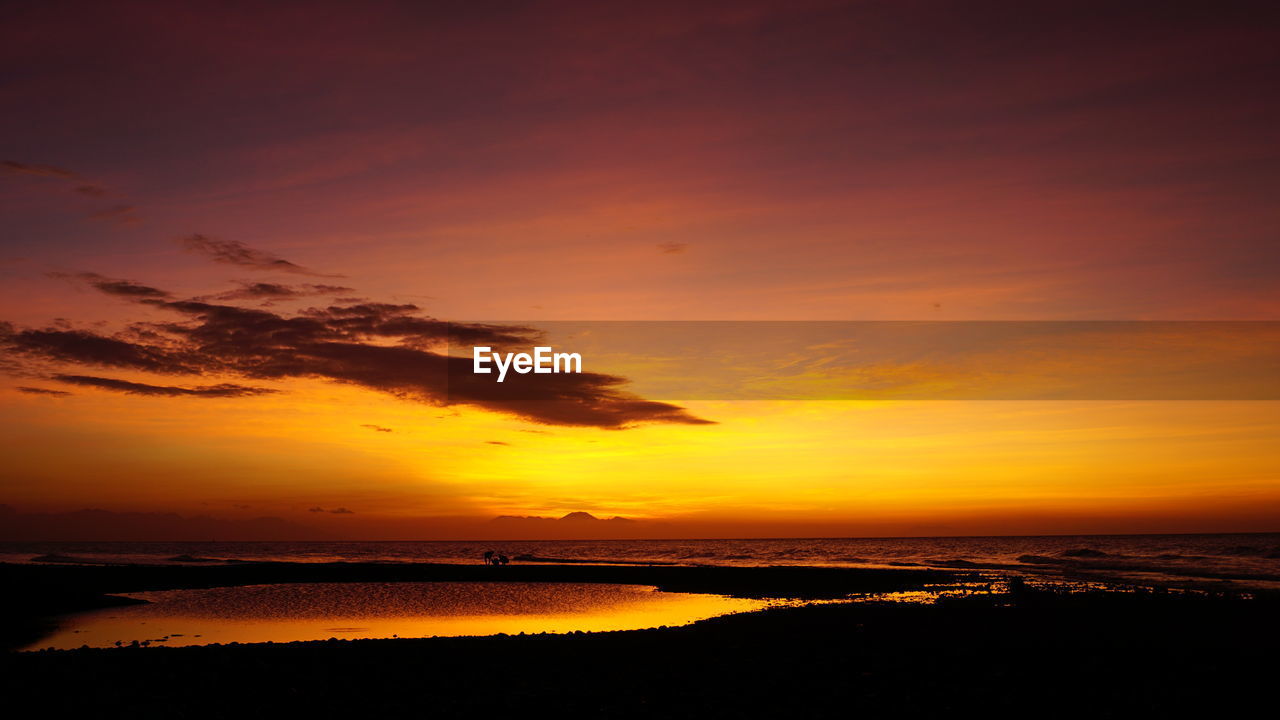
(54, 589)
(1003, 648)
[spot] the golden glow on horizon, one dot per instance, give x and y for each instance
(860, 464)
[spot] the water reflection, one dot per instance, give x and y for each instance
(318, 611)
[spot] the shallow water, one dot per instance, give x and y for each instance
(319, 611)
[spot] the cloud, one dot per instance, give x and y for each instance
(342, 511)
(111, 286)
(125, 214)
(377, 428)
(498, 442)
(316, 509)
(87, 348)
(41, 391)
(385, 347)
(671, 248)
(234, 252)
(38, 170)
(276, 291)
(118, 214)
(222, 390)
(128, 288)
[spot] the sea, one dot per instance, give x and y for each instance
(1208, 560)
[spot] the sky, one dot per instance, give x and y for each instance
(243, 248)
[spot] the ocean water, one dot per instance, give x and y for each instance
(1245, 559)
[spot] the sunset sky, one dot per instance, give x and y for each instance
(228, 230)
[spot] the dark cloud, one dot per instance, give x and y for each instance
(125, 214)
(222, 390)
(342, 511)
(118, 214)
(377, 428)
(316, 509)
(127, 288)
(233, 252)
(671, 248)
(111, 286)
(38, 170)
(82, 347)
(276, 291)
(380, 346)
(42, 391)
(497, 442)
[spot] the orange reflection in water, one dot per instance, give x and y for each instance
(319, 611)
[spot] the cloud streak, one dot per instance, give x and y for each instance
(117, 214)
(42, 391)
(222, 390)
(276, 291)
(112, 286)
(234, 252)
(82, 187)
(47, 171)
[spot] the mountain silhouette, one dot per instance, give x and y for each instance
(578, 516)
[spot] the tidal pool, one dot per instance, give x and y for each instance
(319, 611)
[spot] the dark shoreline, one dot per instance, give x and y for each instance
(49, 590)
(1011, 652)
(1026, 652)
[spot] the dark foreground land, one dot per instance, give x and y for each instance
(1024, 653)
(47, 590)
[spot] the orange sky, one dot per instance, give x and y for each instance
(636, 161)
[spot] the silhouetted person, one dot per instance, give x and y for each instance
(488, 557)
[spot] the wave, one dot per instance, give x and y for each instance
(56, 558)
(1041, 560)
(1084, 552)
(1271, 553)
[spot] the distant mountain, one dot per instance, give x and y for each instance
(574, 517)
(577, 525)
